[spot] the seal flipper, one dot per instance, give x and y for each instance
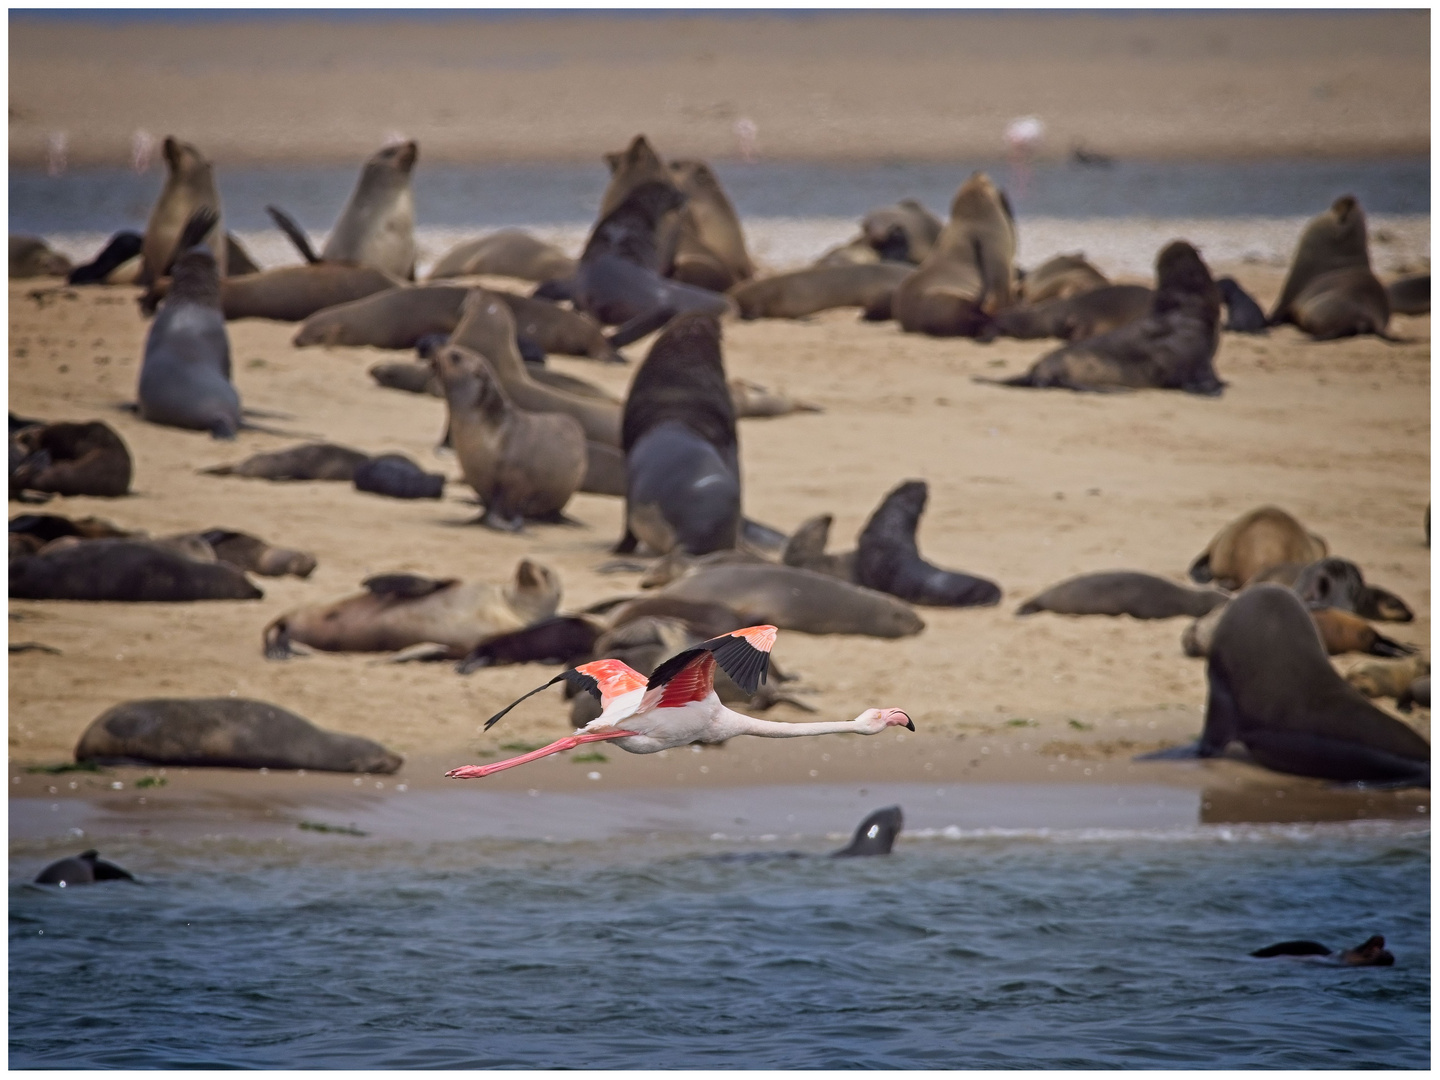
(406, 586)
(1292, 948)
(297, 236)
(875, 835)
(644, 323)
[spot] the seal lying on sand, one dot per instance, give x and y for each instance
(820, 288)
(31, 257)
(1340, 632)
(1417, 693)
(83, 869)
(398, 477)
(1061, 277)
(521, 464)
(1172, 347)
(70, 459)
(1331, 291)
(1387, 678)
(1124, 592)
(1338, 583)
(127, 570)
(308, 461)
(1369, 953)
(681, 454)
(508, 253)
(31, 532)
(1077, 317)
(225, 732)
(189, 188)
(1272, 689)
(253, 554)
(1264, 537)
(1243, 314)
(888, 560)
(397, 611)
(1410, 295)
(185, 375)
(970, 273)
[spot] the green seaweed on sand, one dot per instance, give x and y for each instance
(592, 756)
(64, 767)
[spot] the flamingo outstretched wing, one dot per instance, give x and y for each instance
(606, 680)
(689, 676)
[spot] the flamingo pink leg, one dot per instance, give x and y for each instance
(468, 772)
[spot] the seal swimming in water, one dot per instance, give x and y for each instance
(31, 257)
(875, 835)
(234, 733)
(1272, 689)
(682, 460)
(71, 459)
(189, 188)
(1171, 347)
(1369, 953)
(125, 570)
(1061, 277)
(888, 560)
(969, 275)
(507, 253)
(397, 611)
(521, 464)
(1264, 537)
(83, 869)
(185, 375)
(1077, 317)
(1124, 592)
(820, 288)
(1409, 295)
(1331, 291)
(308, 461)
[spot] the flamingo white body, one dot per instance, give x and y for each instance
(678, 705)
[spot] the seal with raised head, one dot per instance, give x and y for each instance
(189, 187)
(1331, 291)
(377, 226)
(1369, 953)
(1124, 592)
(521, 464)
(1409, 295)
(1255, 541)
(682, 460)
(125, 570)
(1077, 317)
(185, 374)
(1060, 277)
(1272, 688)
(819, 288)
(507, 253)
(308, 461)
(1171, 347)
(888, 560)
(875, 835)
(83, 869)
(32, 257)
(969, 275)
(397, 611)
(903, 232)
(709, 244)
(226, 732)
(71, 459)
(1338, 583)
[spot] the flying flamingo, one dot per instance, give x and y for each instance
(677, 705)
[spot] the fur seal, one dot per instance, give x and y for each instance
(753, 400)
(1338, 583)
(1369, 953)
(71, 459)
(31, 532)
(904, 232)
(1389, 678)
(875, 835)
(1171, 347)
(970, 273)
(1243, 314)
(709, 244)
(189, 187)
(377, 226)
(508, 253)
(1409, 295)
(295, 293)
(1417, 693)
(83, 869)
(397, 611)
(521, 464)
(1077, 317)
(806, 549)
(125, 570)
(185, 375)
(804, 292)
(1266, 536)
(1060, 277)
(398, 477)
(308, 461)
(394, 319)
(31, 257)
(681, 453)
(235, 733)
(1124, 592)
(1340, 632)
(792, 599)
(252, 554)
(118, 262)
(888, 560)
(1272, 688)
(1331, 291)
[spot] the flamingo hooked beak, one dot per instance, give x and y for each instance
(891, 714)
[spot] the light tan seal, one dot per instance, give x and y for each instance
(507, 253)
(820, 288)
(710, 246)
(377, 226)
(1387, 678)
(189, 185)
(1331, 291)
(1266, 536)
(1059, 277)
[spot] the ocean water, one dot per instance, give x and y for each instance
(1014, 948)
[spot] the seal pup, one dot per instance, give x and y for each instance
(820, 288)
(118, 262)
(225, 732)
(875, 835)
(1369, 953)
(1243, 314)
(31, 257)
(398, 477)
(252, 554)
(189, 188)
(397, 611)
(969, 275)
(1338, 583)
(131, 570)
(521, 464)
(1331, 291)
(753, 400)
(709, 243)
(1409, 295)
(308, 461)
(1060, 277)
(1264, 537)
(1124, 592)
(507, 253)
(682, 459)
(83, 869)
(1077, 317)
(888, 560)
(1171, 347)
(185, 374)
(377, 226)
(1272, 688)
(70, 459)
(1389, 678)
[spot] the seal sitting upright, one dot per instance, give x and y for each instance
(888, 560)
(185, 376)
(189, 187)
(1331, 291)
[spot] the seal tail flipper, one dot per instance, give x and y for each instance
(290, 228)
(1384, 646)
(1293, 948)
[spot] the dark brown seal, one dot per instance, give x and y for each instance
(1409, 295)
(1077, 317)
(888, 560)
(308, 461)
(83, 869)
(125, 570)
(1124, 592)
(71, 459)
(1060, 277)
(1331, 291)
(1338, 583)
(1369, 953)
(234, 733)
(806, 549)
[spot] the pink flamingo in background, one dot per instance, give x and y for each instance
(677, 705)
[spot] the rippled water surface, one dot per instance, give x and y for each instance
(1002, 951)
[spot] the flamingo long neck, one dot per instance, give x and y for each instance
(732, 723)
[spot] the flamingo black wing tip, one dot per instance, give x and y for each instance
(491, 722)
(742, 661)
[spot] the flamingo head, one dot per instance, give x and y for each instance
(874, 721)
